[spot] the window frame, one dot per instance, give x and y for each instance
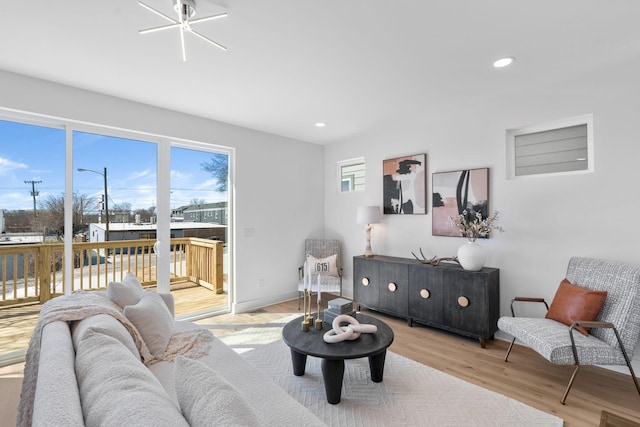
(510, 135)
(350, 178)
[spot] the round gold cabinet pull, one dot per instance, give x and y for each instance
(392, 287)
(424, 293)
(463, 301)
(365, 281)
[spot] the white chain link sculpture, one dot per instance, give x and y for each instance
(349, 332)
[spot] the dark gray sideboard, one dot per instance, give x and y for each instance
(444, 296)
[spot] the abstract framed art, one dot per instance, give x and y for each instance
(456, 191)
(405, 185)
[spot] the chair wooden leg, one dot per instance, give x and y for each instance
(506, 356)
(566, 392)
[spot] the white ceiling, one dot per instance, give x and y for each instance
(354, 64)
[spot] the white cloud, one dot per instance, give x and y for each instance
(7, 166)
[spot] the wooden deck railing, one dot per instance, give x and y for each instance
(35, 272)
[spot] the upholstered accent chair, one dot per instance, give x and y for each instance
(613, 335)
(323, 256)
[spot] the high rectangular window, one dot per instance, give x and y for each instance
(351, 175)
(554, 148)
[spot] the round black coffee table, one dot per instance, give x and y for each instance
(303, 344)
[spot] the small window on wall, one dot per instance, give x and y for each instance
(562, 147)
(351, 175)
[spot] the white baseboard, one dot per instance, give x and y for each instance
(244, 306)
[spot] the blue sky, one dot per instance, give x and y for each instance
(37, 153)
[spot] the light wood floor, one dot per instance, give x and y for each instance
(527, 377)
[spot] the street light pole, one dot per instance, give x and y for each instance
(106, 198)
(106, 205)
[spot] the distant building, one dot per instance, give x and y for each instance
(213, 213)
(177, 214)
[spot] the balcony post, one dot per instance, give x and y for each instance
(218, 250)
(44, 268)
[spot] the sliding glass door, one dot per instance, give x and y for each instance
(81, 206)
(200, 212)
(32, 185)
(114, 190)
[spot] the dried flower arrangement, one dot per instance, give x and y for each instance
(473, 226)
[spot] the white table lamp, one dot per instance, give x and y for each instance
(368, 215)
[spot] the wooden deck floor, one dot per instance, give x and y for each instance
(17, 323)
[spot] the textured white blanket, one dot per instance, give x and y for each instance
(194, 343)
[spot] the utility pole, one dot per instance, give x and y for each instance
(34, 194)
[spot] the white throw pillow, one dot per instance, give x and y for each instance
(323, 266)
(116, 389)
(152, 319)
(127, 292)
(207, 399)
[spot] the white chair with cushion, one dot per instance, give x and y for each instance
(594, 318)
(323, 258)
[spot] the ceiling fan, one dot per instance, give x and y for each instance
(186, 9)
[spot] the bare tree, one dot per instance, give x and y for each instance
(120, 212)
(145, 214)
(51, 214)
(218, 166)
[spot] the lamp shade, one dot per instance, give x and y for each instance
(368, 215)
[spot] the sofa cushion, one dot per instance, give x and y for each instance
(152, 319)
(107, 325)
(573, 303)
(551, 340)
(207, 399)
(116, 389)
(127, 292)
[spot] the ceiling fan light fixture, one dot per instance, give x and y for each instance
(185, 10)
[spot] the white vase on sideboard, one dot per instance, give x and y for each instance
(472, 256)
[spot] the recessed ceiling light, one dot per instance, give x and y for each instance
(320, 125)
(503, 62)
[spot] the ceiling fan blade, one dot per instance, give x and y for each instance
(149, 8)
(208, 18)
(184, 52)
(195, 33)
(163, 27)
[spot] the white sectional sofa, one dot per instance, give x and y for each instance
(89, 367)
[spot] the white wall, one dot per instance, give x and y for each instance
(276, 187)
(546, 219)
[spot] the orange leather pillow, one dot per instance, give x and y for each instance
(573, 303)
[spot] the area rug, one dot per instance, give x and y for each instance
(411, 394)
